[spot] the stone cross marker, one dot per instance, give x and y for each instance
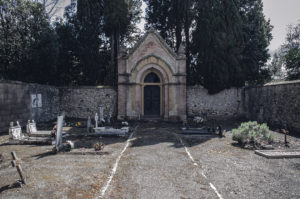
(16, 162)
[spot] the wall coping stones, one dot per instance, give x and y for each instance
(87, 87)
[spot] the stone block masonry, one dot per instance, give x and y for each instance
(223, 105)
(277, 104)
(84, 101)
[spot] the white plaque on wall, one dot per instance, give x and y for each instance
(36, 100)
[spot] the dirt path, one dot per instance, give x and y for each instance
(155, 165)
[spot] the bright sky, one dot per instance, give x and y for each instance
(281, 13)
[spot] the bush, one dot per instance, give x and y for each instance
(252, 133)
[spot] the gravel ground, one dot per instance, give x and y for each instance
(239, 173)
(155, 165)
(57, 176)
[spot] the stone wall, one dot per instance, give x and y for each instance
(226, 104)
(16, 103)
(277, 104)
(81, 102)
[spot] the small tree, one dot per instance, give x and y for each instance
(252, 133)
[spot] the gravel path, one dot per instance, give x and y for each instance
(158, 163)
(157, 166)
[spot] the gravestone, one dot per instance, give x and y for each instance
(101, 113)
(96, 120)
(88, 124)
(31, 127)
(58, 143)
(109, 118)
(15, 132)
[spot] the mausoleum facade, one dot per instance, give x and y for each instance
(152, 80)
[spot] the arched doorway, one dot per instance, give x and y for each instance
(152, 91)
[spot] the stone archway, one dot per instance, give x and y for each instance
(152, 95)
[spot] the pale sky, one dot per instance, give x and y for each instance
(281, 13)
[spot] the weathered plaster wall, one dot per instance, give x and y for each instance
(15, 103)
(277, 104)
(226, 104)
(81, 102)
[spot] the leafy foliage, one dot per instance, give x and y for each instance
(28, 45)
(292, 55)
(173, 18)
(218, 45)
(257, 37)
(252, 133)
(229, 39)
(79, 50)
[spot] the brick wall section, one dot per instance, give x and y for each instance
(223, 105)
(15, 103)
(277, 104)
(81, 102)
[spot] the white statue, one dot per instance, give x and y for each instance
(96, 120)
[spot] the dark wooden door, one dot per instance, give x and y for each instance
(152, 100)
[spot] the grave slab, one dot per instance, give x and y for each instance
(273, 154)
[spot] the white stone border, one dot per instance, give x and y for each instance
(195, 164)
(114, 169)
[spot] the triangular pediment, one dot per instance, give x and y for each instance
(157, 39)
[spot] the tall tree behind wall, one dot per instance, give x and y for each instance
(28, 44)
(257, 37)
(173, 19)
(89, 29)
(90, 37)
(217, 46)
(116, 23)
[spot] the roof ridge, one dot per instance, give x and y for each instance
(163, 42)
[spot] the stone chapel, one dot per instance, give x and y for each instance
(152, 80)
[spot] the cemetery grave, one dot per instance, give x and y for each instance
(200, 127)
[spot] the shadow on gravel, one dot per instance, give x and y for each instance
(162, 132)
(12, 186)
(43, 155)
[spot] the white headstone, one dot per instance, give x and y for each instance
(58, 143)
(96, 120)
(15, 133)
(32, 127)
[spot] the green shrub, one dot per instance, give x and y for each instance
(252, 133)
